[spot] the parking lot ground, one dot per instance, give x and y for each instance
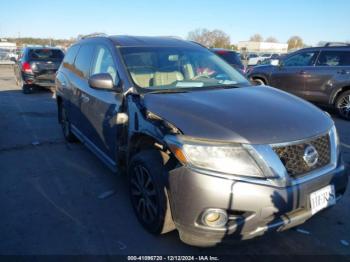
(58, 198)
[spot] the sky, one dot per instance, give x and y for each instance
(312, 20)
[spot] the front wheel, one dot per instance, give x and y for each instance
(258, 82)
(148, 192)
(342, 104)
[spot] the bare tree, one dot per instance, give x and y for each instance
(271, 39)
(215, 38)
(295, 42)
(256, 38)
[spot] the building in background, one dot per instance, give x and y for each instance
(8, 52)
(262, 47)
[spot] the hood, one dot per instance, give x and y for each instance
(254, 115)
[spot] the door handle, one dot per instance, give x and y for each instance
(84, 98)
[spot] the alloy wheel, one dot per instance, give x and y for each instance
(344, 106)
(143, 194)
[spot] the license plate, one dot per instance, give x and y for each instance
(322, 198)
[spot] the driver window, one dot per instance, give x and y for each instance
(302, 59)
(104, 63)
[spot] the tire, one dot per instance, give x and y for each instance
(26, 89)
(259, 82)
(66, 126)
(148, 193)
(342, 105)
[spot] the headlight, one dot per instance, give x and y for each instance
(229, 159)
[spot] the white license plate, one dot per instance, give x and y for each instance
(322, 198)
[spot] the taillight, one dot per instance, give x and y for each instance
(26, 67)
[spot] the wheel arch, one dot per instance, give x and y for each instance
(338, 92)
(259, 76)
(142, 141)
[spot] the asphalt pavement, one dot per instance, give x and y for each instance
(58, 198)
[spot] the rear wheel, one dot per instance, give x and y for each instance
(342, 105)
(26, 89)
(148, 193)
(66, 126)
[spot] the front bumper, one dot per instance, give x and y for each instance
(253, 208)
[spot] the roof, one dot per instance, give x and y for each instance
(318, 48)
(150, 41)
(223, 49)
(42, 47)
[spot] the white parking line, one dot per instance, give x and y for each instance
(345, 145)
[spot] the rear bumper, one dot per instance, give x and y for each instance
(254, 208)
(46, 81)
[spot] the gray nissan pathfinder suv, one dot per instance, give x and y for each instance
(204, 151)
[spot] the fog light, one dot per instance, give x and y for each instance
(214, 217)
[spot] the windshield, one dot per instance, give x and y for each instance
(171, 68)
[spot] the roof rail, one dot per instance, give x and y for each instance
(92, 35)
(336, 44)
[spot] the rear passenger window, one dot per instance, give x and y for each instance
(68, 60)
(334, 58)
(301, 59)
(83, 60)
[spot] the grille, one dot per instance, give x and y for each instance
(292, 156)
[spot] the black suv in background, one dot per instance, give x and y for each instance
(37, 66)
(318, 74)
(199, 143)
(231, 57)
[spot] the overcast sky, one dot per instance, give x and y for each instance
(313, 20)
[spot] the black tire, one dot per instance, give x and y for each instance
(148, 193)
(66, 126)
(26, 89)
(342, 105)
(259, 82)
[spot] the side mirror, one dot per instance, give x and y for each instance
(104, 81)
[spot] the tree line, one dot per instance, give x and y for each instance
(219, 39)
(21, 41)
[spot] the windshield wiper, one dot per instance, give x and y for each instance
(168, 91)
(226, 86)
